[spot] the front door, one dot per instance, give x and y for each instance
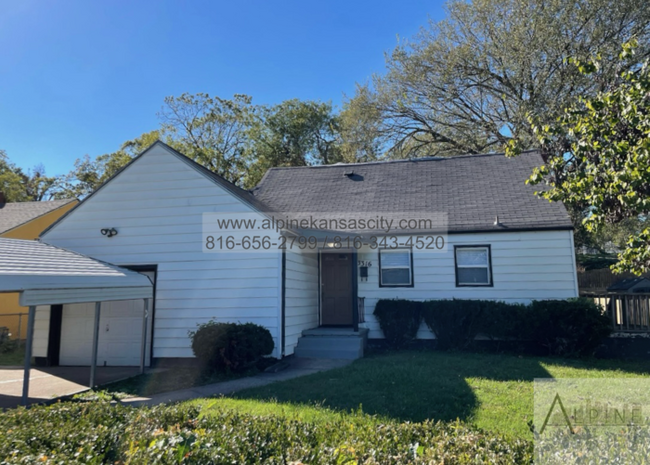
(336, 289)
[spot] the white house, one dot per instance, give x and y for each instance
(157, 215)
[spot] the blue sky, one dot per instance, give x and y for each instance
(81, 77)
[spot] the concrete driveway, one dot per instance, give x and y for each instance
(48, 383)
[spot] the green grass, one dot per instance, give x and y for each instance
(174, 379)
(493, 392)
(13, 358)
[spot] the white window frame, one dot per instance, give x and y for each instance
(488, 267)
(409, 267)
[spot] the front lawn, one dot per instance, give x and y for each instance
(177, 378)
(493, 392)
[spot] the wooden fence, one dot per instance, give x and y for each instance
(630, 313)
(599, 280)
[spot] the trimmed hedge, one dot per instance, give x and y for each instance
(571, 327)
(574, 327)
(230, 346)
(399, 319)
(453, 329)
(100, 433)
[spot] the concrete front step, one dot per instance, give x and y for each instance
(339, 332)
(341, 343)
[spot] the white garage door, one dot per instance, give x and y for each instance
(120, 334)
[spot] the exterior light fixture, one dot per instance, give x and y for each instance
(109, 232)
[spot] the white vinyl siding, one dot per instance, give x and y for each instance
(525, 266)
(301, 303)
(156, 205)
(41, 330)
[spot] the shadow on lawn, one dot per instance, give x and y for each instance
(407, 386)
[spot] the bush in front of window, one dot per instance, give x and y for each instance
(573, 327)
(230, 347)
(455, 323)
(399, 319)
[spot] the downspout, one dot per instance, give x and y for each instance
(283, 304)
(355, 292)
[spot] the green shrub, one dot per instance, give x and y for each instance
(97, 432)
(503, 321)
(8, 345)
(454, 322)
(573, 327)
(399, 320)
(230, 346)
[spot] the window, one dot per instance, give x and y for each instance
(473, 265)
(395, 268)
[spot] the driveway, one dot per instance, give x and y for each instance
(48, 383)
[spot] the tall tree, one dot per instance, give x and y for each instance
(23, 186)
(90, 173)
(598, 155)
(466, 84)
(293, 133)
(212, 131)
(360, 128)
(231, 137)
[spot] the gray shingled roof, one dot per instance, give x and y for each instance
(472, 189)
(13, 214)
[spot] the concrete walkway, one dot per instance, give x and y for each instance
(297, 367)
(46, 384)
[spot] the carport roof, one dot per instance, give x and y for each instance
(46, 275)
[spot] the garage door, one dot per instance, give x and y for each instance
(120, 334)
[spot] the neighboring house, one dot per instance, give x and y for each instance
(503, 243)
(25, 220)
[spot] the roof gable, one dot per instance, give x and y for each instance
(242, 195)
(15, 214)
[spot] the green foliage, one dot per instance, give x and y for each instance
(595, 262)
(98, 432)
(230, 347)
(231, 137)
(598, 153)
(212, 131)
(573, 327)
(455, 322)
(360, 122)
(399, 320)
(89, 174)
(293, 133)
(467, 83)
(23, 186)
(8, 345)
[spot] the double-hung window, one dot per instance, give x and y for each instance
(473, 267)
(395, 268)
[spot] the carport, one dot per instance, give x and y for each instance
(46, 275)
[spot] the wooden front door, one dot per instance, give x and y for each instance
(336, 289)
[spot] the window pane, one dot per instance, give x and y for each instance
(474, 257)
(473, 276)
(396, 276)
(390, 259)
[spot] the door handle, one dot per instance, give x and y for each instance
(106, 327)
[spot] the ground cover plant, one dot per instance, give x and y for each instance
(98, 432)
